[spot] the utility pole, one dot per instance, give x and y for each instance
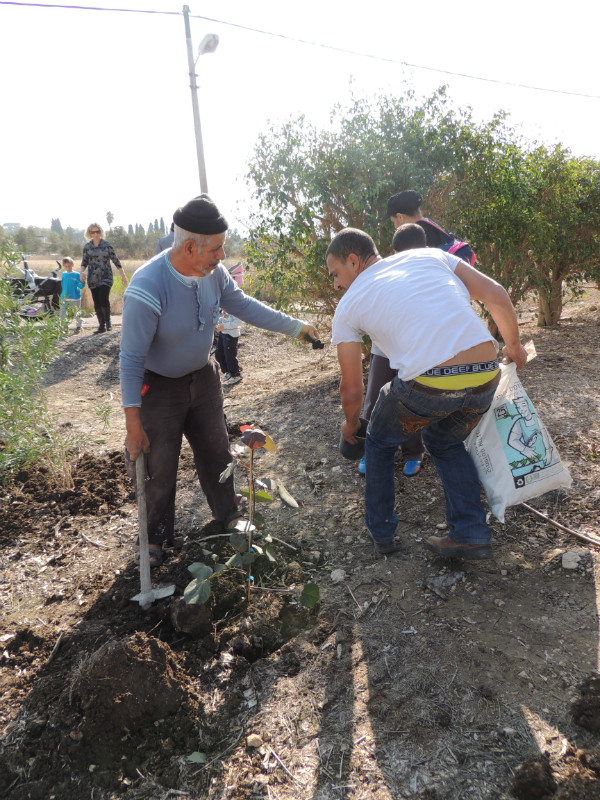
(195, 108)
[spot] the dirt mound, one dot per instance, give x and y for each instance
(33, 501)
(586, 709)
(124, 693)
(534, 780)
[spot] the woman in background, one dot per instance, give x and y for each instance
(97, 255)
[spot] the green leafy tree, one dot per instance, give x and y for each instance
(311, 183)
(27, 240)
(565, 240)
(123, 243)
(72, 242)
(531, 212)
(109, 218)
(56, 227)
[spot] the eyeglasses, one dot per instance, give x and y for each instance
(93, 232)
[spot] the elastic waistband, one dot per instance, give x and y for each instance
(459, 376)
(491, 381)
(460, 369)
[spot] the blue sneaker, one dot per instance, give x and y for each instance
(362, 467)
(412, 467)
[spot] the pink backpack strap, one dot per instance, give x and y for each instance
(433, 225)
(457, 245)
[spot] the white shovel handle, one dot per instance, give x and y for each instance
(140, 475)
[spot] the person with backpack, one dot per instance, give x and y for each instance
(404, 208)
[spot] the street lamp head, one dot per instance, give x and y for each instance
(208, 45)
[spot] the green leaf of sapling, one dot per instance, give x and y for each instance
(197, 592)
(310, 595)
(200, 570)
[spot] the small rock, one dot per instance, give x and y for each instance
(498, 602)
(441, 526)
(571, 559)
(338, 575)
(254, 740)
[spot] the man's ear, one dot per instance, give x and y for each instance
(354, 261)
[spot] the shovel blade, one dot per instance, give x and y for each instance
(145, 599)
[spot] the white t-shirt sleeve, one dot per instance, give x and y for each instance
(342, 331)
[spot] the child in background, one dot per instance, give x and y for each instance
(70, 296)
(229, 329)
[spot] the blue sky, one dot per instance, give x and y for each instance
(97, 113)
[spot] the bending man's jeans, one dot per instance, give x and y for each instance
(445, 419)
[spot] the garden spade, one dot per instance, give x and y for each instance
(147, 594)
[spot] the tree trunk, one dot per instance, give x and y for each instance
(550, 304)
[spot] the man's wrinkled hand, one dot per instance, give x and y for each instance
(309, 333)
(137, 442)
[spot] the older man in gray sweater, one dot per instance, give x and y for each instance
(170, 385)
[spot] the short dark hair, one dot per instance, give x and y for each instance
(407, 202)
(351, 241)
(408, 237)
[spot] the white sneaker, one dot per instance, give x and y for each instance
(233, 380)
(225, 377)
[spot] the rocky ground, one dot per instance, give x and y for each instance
(412, 677)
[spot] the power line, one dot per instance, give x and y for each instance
(333, 48)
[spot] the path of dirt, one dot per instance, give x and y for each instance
(412, 678)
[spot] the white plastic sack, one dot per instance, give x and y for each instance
(515, 457)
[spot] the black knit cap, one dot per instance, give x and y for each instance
(407, 202)
(200, 215)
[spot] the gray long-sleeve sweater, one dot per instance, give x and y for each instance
(169, 321)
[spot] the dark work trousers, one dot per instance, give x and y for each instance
(381, 373)
(191, 406)
(226, 354)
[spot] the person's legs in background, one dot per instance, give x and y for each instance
(104, 299)
(230, 347)
(97, 297)
(220, 356)
(381, 373)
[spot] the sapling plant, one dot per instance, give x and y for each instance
(242, 536)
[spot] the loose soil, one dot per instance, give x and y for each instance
(411, 678)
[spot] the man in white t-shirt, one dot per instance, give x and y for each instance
(447, 374)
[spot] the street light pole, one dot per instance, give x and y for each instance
(208, 45)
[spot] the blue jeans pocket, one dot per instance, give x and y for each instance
(391, 418)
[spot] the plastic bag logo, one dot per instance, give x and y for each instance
(527, 446)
